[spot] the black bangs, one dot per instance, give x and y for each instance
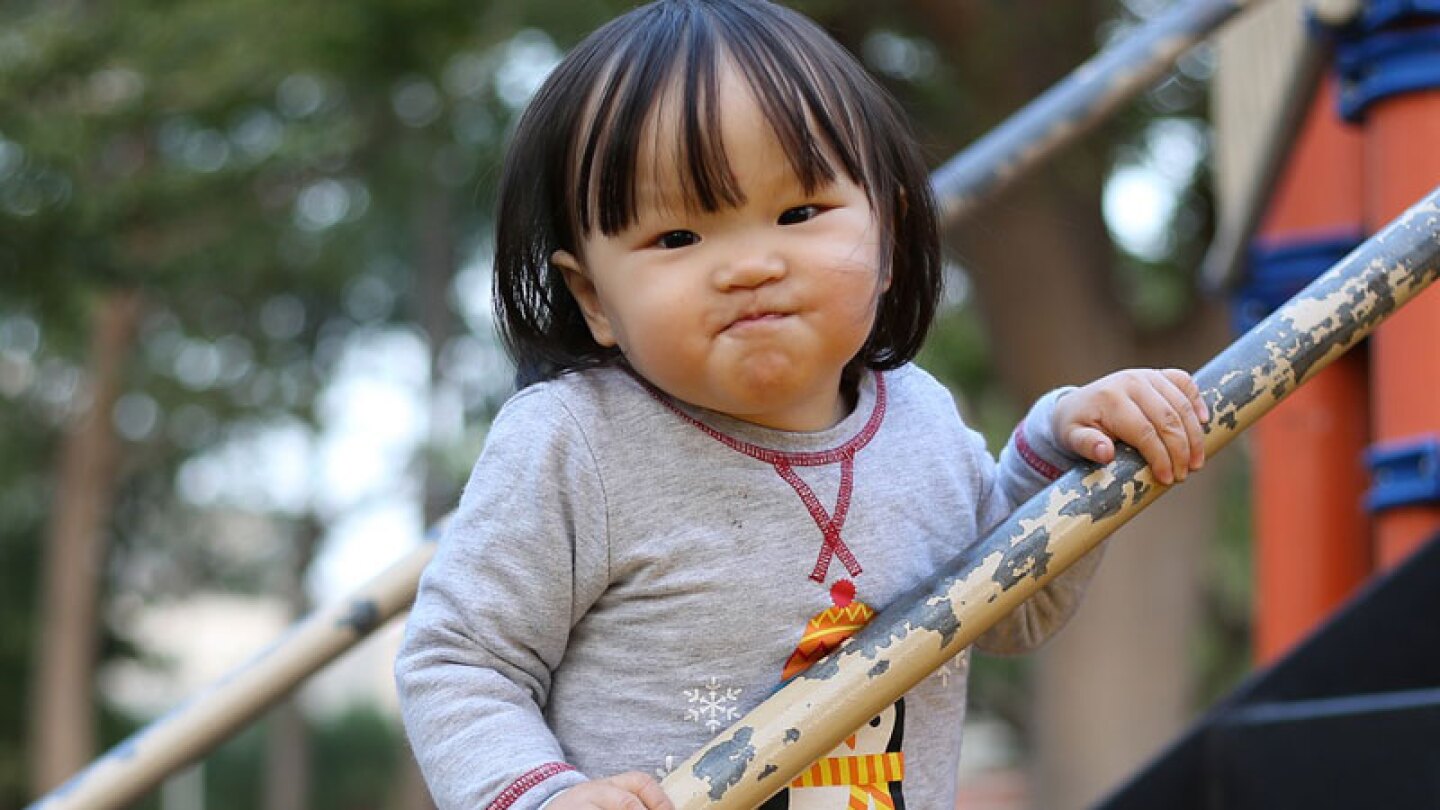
(803, 82)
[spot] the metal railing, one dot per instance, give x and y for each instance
(1074, 105)
(1053, 121)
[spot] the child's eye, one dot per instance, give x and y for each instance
(799, 214)
(671, 240)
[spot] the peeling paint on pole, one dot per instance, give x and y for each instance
(931, 624)
(724, 763)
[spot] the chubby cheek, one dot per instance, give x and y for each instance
(656, 327)
(859, 289)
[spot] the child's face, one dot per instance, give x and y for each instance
(752, 311)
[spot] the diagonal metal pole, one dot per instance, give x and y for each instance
(762, 752)
(1074, 105)
(136, 766)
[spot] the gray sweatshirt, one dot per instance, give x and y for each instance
(626, 576)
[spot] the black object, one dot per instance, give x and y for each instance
(1349, 719)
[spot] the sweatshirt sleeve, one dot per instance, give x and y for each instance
(1031, 460)
(521, 559)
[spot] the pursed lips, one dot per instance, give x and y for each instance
(755, 318)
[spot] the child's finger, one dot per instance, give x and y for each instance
(645, 788)
(610, 796)
(1187, 385)
(1184, 405)
(602, 794)
(1126, 421)
(1092, 443)
(1160, 435)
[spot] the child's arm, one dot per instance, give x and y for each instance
(1159, 412)
(522, 558)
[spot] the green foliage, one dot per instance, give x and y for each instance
(355, 757)
(355, 763)
(957, 353)
(361, 751)
(17, 638)
(24, 491)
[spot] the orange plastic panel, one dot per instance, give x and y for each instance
(1312, 535)
(1320, 192)
(1402, 164)
(1312, 531)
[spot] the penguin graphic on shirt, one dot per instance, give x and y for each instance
(864, 771)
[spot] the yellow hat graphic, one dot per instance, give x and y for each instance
(828, 628)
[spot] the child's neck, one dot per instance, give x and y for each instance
(845, 402)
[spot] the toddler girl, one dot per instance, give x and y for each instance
(717, 253)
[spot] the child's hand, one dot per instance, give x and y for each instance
(1158, 412)
(625, 791)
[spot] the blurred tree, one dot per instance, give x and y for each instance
(63, 723)
(275, 182)
(151, 149)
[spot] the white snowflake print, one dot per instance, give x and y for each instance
(712, 705)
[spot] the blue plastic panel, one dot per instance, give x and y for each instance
(1378, 65)
(1404, 473)
(1380, 13)
(1278, 269)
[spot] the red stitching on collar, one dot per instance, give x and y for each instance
(784, 463)
(771, 456)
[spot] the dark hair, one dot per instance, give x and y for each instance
(572, 162)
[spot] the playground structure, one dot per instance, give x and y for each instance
(1364, 145)
(1287, 348)
(1345, 475)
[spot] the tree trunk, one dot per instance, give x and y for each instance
(287, 749)
(287, 758)
(62, 720)
(1117, 683)
(437, 265)
(435, 231)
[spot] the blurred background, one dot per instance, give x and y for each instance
(246, 357)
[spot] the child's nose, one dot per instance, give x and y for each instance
(749, 268)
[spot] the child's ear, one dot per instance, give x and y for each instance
(583, 289)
